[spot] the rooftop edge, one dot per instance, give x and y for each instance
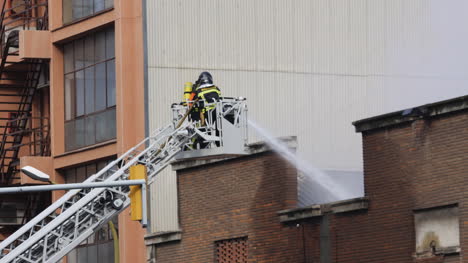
(412, 114)
(253, 148)
(348, 205)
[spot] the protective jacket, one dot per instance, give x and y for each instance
(209, 95)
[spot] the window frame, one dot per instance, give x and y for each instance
(106, 60)
(423, 213)
(81, 18)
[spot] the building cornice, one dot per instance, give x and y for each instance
(412, 114)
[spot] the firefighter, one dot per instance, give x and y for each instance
(207, 93)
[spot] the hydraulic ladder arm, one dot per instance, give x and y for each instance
(67, 222)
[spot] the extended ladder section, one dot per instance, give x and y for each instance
(79, 213)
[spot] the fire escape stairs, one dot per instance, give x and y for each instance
(19, 79)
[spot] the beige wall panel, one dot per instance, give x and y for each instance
(265, 31)
(163, 213)
(164, 206)
(263, 35)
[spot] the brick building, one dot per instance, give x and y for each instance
(415, 205)
(228, 211)
(414, 209)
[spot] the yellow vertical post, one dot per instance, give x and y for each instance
(136, 210)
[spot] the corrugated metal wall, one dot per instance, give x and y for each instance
(308, 68)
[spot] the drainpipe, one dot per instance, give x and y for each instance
(115, 236)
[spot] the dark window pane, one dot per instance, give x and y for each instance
(68, 57)
(98, 5)
(90, 138)
(71, 257)
(109, 3)
(112, 133)
(67, 8)
(91, 240)
(92, 254)
(101, 165)
(110, 83)
(69, 135)
(100, 44)
(101, 127)
(80, 95)
(102, 234)
(77, 9)
(70, 176)
(100, 86)
(105, 125)
(82, 255)
(80, 133)
(87, 7)
(79, 55)
(89, 50)
(90, 170)
(89, 90)
(81, 174)
(69, 96)
(110, 49)
(106, 253)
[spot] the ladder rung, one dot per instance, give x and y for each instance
(18, 71)
(10, 102)
(11, 95)
(12, 148)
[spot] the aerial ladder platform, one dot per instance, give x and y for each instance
(70, 220)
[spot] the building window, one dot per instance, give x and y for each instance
(232, 250)
(80, 173)
(99, 246)
(89, 66)
(76, 9)
(437, 231)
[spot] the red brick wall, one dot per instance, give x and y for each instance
(418, 165)
(236, 198)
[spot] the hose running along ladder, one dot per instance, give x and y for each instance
(67, 222)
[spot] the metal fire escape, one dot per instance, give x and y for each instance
(20, 133)
(74, 217)
(19, 79)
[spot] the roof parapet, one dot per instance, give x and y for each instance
(349, 205)
(412, 114)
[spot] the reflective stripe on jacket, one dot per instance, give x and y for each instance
(210, 95)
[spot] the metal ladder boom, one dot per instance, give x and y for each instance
(75, 216)
(71, 219)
